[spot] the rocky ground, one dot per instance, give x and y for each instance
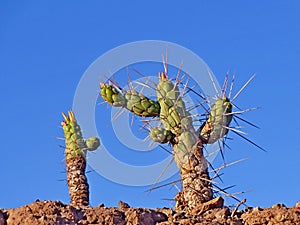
(55, 212)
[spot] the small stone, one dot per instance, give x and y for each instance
(217, 202)
(278, 206)
(248, 208)
(159, 216)
(257, 209)
(236, 222)
(2, 218)
(123, 205)
(222, 213)
(279, 217)
(179, 215)
(240, 211)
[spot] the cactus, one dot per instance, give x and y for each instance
(75, 153)
(177, 130)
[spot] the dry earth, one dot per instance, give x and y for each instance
(55, 212)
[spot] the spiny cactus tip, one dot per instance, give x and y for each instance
(65, 117)
(162, 76)
(71, 116)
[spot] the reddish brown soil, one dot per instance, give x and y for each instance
(55, 212)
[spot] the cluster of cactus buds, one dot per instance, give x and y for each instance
(161, 135)
(75, 144)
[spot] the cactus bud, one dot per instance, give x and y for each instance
(92, 143)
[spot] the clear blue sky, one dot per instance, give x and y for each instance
(45, 47)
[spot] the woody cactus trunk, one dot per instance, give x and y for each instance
(75, 153)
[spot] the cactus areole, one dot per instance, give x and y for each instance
(75, 153)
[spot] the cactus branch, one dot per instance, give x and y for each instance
(135, 102)
(216, 126)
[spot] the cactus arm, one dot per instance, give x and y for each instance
(215, 127)
(75, 153)
(111, 95)
(161, 135)
(172, 106)
(141, 105)
(133, 101)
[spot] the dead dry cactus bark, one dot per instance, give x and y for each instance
(178, 130)
(75, 157)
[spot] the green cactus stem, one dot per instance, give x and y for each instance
(75, 152)
(186, 146)
(131, 100)
(216, 126)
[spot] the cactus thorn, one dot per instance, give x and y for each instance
(65, 118)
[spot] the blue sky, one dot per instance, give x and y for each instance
(46, 46)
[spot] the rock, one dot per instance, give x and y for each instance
(217, 202)
(278, 206)
(123, 205)
(2, 218)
